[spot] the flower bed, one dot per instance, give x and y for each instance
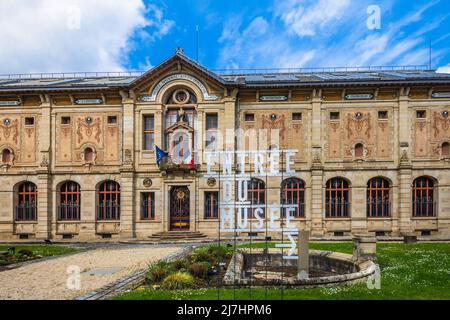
(203, 268)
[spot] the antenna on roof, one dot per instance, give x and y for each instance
(429, 56)
(197, 41)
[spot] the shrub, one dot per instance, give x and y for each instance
(26, 253)
(202, 255)
(156, 275)
(158, 271)
(200, 269)
(219, 252)
(180, 264)
(177, 281)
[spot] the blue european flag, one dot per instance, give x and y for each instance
(160, 154)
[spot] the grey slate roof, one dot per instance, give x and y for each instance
(248, 78)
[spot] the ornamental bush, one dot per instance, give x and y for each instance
(200, 269)
(177, 281)
(158, 271)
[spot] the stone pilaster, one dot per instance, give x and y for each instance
(317, 202)
(405, 199)
(44, 211)
(317, 168)
(127, 216)
(405, 167)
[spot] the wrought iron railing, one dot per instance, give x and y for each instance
(337, 209)
(222, 72)
(377, 208)
(108, 211)
(69, 211)
(26, 212)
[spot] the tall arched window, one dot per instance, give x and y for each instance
(256, 195)
(70, 201)
(293, 192)
(378, 204)
(423, 197)
(337, 198)
(445, 149)
(26, 209)
(6, 156)
(108, 207)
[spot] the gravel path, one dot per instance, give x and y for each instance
(47, 280)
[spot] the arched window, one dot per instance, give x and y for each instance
(6, 156)
(337, 198)
(256, 195)
(70, 201)
(359, 150)
(423, 197)
(26, 209)
(293, 192)
(378, 204)
(445, 149)
(108, 207)
(88, 155)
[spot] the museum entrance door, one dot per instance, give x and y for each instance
(179, 209)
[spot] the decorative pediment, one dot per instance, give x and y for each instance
(178, 67)
(180, 126)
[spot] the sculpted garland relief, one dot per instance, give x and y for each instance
(9, 131)
(85, 130)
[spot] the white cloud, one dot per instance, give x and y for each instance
(306, 33)
(445, 69)
(306, 18)
(80, 35)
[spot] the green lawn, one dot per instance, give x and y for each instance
(419, 271)
(38, 251)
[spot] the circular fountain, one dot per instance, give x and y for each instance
(266, 267)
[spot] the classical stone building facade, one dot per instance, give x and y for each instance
(78, 153)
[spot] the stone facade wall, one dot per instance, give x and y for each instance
(398, 146)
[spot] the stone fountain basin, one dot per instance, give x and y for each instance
(256, 267)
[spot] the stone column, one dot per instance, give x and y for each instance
(127, 216)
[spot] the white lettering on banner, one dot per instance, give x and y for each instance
(238, 214)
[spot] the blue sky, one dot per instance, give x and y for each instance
(57, 36)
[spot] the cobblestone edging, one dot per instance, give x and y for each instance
(129, 282)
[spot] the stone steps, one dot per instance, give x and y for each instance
(177, 235)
